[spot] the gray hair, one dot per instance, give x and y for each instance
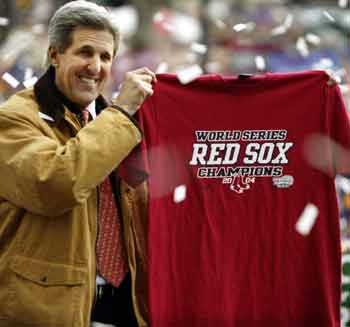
(76, 14)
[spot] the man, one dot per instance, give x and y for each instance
(53, 171)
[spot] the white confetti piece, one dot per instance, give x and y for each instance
(158, 17)
(343, 183)
(328, 16)
(180, 193)
(239, 27)
(30, 82)
(288, 21)
(7, 77)
(279, 30)
(302, 47)
(244, 27)
(4, 21)
(162, 67)
(313, 38)
(282, 29)
(344, 89)
(199, 48)
(28, 73)
(307, 219)
(189, 74)
(220, 24)
(260, 62)
(38, 28)
(342, 3)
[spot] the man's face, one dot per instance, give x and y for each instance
(85, 66)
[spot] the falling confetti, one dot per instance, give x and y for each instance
(329, 16)
(180, 193)
(302, 47)
(282, 29)
(220, 24)
(4, 21)
(38, 28)
(342, 3)
(199, 48)
(313, 38)
(12, 81)
(189, 74)
(260, 63)
(288, 22)
(343, 183)
(158, 17)
(244, 27)
(162, 67)
(28, 73)
(307, 219)
(30, 82)
(279, 30)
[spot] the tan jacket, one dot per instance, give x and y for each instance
(48, 212)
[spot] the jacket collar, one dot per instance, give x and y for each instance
(52, 102)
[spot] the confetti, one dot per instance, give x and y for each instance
(158, 17)
(7, 77)
(282, 29)
(279, 30)
(244, 27)
(30, 82)
(4, 21)
(313, 38)
(162, 67)
(342, 3)
(302, 47)
(38, 28)
(343, 183)
(220, 24)
(288, 22)
(260, 62)
(329, 16)
(189, 74)
(344, 89)
(199, 48)
(28, 73)
(180, 193)
(307, 219)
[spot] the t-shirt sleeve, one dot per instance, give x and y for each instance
(134, 169)
(338, 129)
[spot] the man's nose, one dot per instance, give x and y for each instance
(95, 64)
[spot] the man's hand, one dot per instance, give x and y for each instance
(136, 86)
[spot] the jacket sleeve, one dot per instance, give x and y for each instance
(47, 177)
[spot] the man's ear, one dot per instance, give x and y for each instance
(53, 56)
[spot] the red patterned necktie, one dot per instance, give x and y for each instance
(85, 116)
(111, 254)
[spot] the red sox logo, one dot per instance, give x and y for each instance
(241, 183)
(238, 157)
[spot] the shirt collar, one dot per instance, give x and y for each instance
(91, 108)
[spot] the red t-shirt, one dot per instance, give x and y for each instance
(229, 254)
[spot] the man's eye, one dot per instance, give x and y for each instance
(85, 52)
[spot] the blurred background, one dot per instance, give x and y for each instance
(208, 36)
